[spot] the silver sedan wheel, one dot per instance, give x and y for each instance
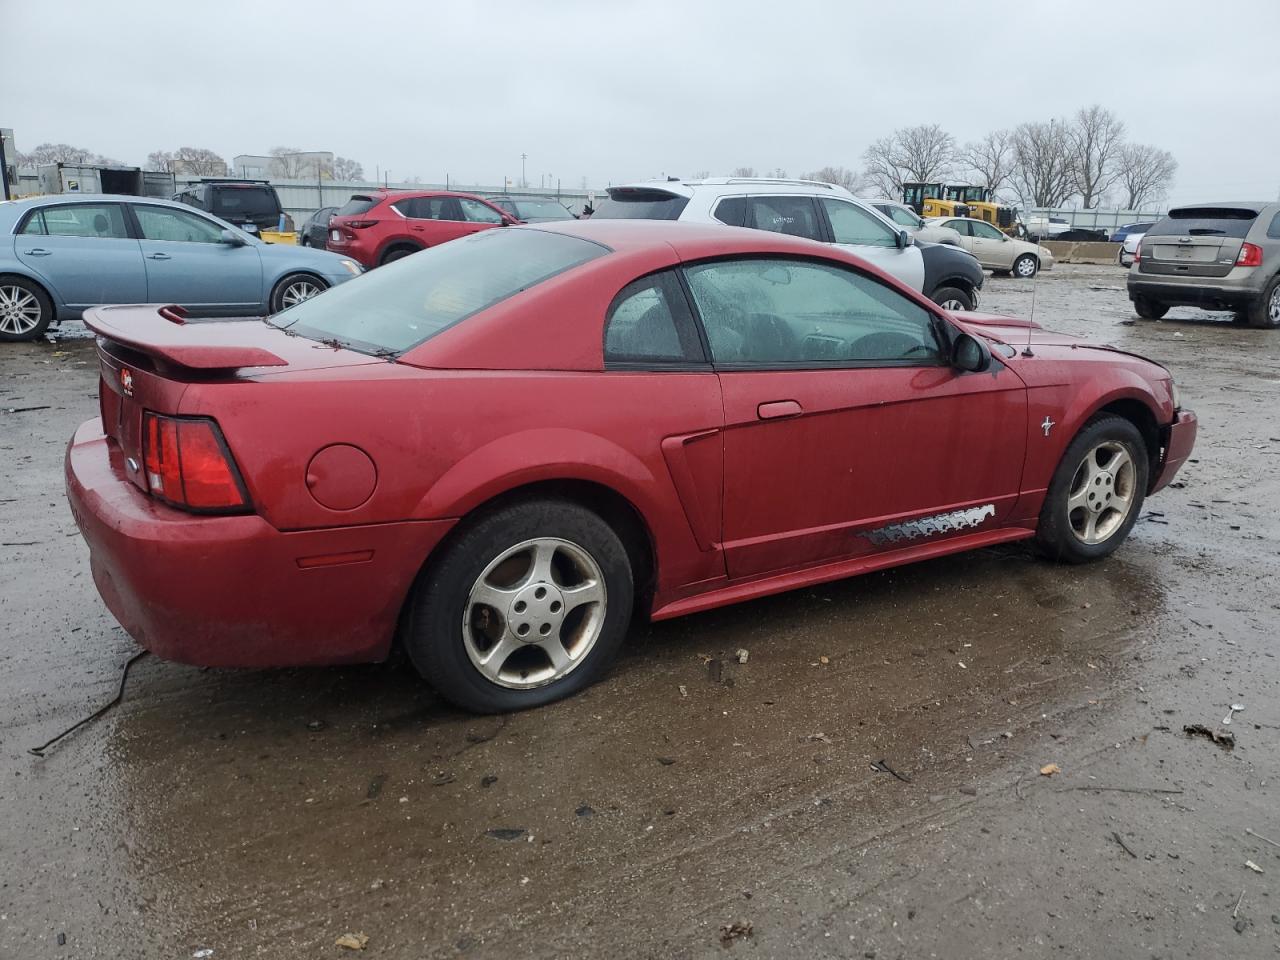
(1025, 267)
(535, 613)
(1273, 307)
(19, 310)
(1102, 492)
(299, 290)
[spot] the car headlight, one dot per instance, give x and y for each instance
(353, 268)
(1176, 394)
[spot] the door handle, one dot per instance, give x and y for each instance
(158, 256)
(38, 252)
(779, 408)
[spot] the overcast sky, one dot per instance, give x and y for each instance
(622, 91)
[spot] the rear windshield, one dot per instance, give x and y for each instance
(1205, 222)
(245, 202)
(407, 302)
(640, 205)
(357, 205)
(542, 209)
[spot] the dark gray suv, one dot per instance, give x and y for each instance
(1221, 256)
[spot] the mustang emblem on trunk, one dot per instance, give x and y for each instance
(126, 382)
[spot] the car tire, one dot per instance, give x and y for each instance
(295, 288)
(1096, 493)
(304, 241)
(1026, 266)
(25, 309)
(952, 298)
(1149, 309)
(526, 558)
(396, 253)
(1264, 313)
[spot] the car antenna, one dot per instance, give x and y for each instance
(1031, 321)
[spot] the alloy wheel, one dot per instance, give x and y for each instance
(1102, 492)
(952, 304)
(1273, 307)
(535, 613)
(19, 310)
(298, 291)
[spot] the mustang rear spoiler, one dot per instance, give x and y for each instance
(162, 332)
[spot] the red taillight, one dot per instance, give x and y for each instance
(189, 466)
(359, 224)
(1250, 255)
(1137, 253)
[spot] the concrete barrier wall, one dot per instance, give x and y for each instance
(1090, 251)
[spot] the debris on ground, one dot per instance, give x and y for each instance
(1235, 708)
(742, 654)
(375, 786)
(1261, 837)
(1049, 769)
(585, 811)
(737, 930)
(666, 761)
(488, 780)
(314, 725)
(1253, 866)
(684, 691)
(506, 833)
(818, 738)
(442, 778)
(1225, 740)
(1120, 840)
(352, 941)
(198, 955)
(824, 660)
(881, 767)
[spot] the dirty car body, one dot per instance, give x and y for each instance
(688, 415)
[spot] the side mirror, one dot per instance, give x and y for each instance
(970, 354)
(905, 239)
(232, 239)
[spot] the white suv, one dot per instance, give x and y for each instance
(804, 208)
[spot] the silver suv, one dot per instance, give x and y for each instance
(1222, 256)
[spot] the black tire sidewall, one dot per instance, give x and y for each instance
(434, 638)
(942, 294)
(1053, 534)
(277, 292)
(398, 253)
(42, 298)
(1148, 309)
(1257, 312)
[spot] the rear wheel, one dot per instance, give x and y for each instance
(528, 606)
(1264, 313)
(25, 309)
(295, 288)
(396, 253)
(952, 298)
(1096, 492)
(1149, 309)
(1025, 267)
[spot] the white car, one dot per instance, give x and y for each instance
(997, 251)
(904, 216)
(802, 208)
(1129, 249)
(1047, 229)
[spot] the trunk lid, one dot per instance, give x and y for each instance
(148, 356)
(1196, 241)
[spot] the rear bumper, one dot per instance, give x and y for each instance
(234, 591)
(1179, 438)
(1208, 292)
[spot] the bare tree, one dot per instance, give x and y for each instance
(991, 159)
(778, 173)
(1096, 136)
(1145, 173)
(199, 161)
(160, 160)
(701, 175)
(289, 163)
(1042, 163)
(344, 168)
(55, 153)
(924, 153)
(743, 172)
(840, 176)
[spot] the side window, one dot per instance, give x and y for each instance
(86, 220)
(790, 215)
(732, 210)
(1273, 230)
(34, 224)
(789, 313)
(959, 226)
(904, 217)
(851, 224)
(478, 212)
(163, 223)
(422, 208)
(649, 322)
(986, 231)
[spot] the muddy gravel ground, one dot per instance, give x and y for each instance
(661, 813)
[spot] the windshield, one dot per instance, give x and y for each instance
(231, 202)
(904, 217)
(407, 302)
(541, 210)
(640, 205)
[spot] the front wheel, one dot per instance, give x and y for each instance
(1149, 309)
(25, 310)
(295, 288)
(1096, 493)
(1264, 313)
(952, 298)
(528, 606)
(1025, 267)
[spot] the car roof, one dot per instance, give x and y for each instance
(730, 185)
(1249, 206)
(27, 203)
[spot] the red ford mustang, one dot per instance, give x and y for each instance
(493, 451)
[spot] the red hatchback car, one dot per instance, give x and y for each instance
(383, 226)
(492, 452)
